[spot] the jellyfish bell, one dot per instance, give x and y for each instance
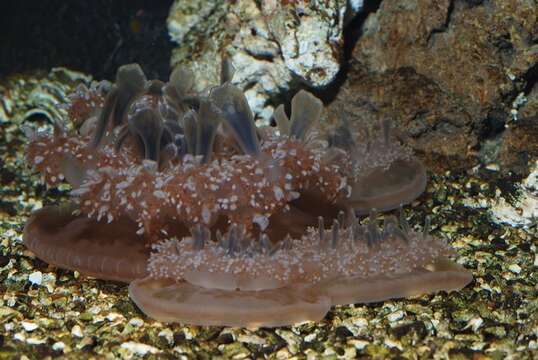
(76, 242)
(170, 301)
(385, 189)
(263, 285)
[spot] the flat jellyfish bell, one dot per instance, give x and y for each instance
(170, 301)
(385, 172)
(387, 188)
(257, 284)
(76, 242)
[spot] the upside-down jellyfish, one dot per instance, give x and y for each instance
(249, 226)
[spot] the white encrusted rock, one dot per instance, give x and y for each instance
(273, 46)
(523, 212)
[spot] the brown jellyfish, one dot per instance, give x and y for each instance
(190, 176)
(77, 242)
(240, 281)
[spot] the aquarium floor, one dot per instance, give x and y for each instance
(49, 312)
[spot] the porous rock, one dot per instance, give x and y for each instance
(439, 69)
(529, 108)
(513, 144)
(519, 146)
(522, 210)
(275, 46)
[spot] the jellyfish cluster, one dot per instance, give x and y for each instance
(215, 221)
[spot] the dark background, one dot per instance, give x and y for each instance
(92, 36)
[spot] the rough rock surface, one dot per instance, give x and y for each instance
(529, 108)
(274, 45)
(442, 70)
(523, 211)
(519, 146)
(514, 143)
(518, 207)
